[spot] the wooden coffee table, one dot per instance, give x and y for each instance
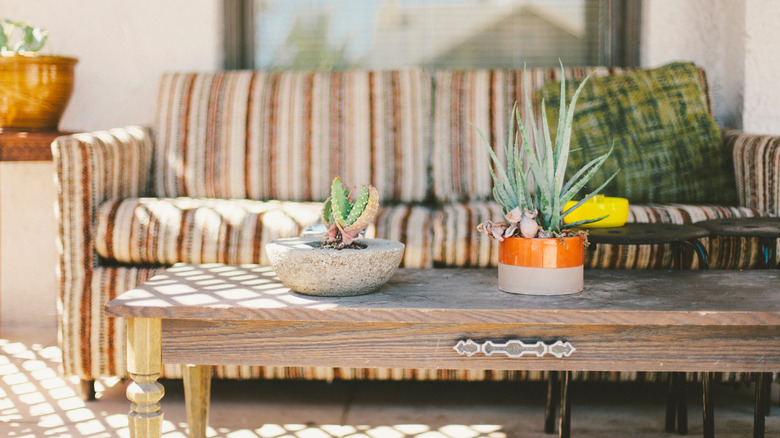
(447, 319)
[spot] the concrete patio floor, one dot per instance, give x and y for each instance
(35, 401)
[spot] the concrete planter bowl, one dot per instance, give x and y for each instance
(305, 267)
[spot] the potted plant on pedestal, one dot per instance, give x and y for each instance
(343, 263)
(34, 88)
(538, 253)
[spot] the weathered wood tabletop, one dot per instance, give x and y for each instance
(622, 321)
(206, 315)
(252, 292)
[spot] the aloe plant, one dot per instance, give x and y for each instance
(531, 187)
(346, 218)
(32, 38)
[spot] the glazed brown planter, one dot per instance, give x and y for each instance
(541, 266)
(34, 91)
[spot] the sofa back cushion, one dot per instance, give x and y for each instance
(465, 101)
(285, 135)
(666, 142)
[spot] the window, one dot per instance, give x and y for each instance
(436, 34)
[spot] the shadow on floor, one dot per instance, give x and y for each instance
(36, 401)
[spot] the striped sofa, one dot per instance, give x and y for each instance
(239, 158)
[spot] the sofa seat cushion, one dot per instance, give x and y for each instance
(458, 244)
(163, 231)
(666, 142)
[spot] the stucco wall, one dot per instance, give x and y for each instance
(762, 67)
(122, 47)
(734, 41)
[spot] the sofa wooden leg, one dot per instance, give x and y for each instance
(87, 390)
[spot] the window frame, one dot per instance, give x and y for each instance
(621, 34)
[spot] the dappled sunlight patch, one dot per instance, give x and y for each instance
(36, 401)
(365, 431)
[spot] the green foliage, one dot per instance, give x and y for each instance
(339, 210)
(32, 38)
(359, 206)
(541, 187)
(308, 45)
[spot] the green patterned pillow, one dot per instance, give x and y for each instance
(667, 144)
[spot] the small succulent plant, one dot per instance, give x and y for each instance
(348, 212)
(32, 39)
(531, 188)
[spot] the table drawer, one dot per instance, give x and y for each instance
(424, 345)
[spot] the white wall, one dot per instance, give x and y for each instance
(122, 47)
(762, 67)
(735, 41)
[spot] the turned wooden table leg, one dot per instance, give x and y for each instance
(197, 393)
(144, 362)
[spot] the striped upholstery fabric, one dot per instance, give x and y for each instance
(481, 99)
(456, 240)
(757, 168)
(411, 225)
(262, 136)
(90, 169)
(724, 252)
(458, 244)
(163, 231)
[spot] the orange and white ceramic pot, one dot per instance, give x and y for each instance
(541, 266)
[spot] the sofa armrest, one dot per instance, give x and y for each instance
(756, 167)
(91, 168)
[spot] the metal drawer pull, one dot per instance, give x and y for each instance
(515, 348)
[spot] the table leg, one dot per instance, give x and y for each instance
(708, 411)
(144, 363)
(197, 394)
(564, 425)
(677, 262)
(701, 252)
(758, 410)
(553, 396)
(767, 393)
(681, 403)
(671, 403)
